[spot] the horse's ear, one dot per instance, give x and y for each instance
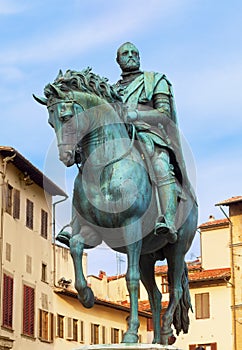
(57, 91)
(59, 76)
(41, 100)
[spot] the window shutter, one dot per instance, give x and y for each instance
(150, 326)
(44, 301)
(28, 311)
(202, 305)
(16, 204)
(213, 346)
(69, 328)
(103, 334)
(7, 315)
(198, 305)
(60, 326)
(44, 223)
(51, 327)
(40, 324)
(8, 252)
(81, 332)
(192, 347)
(28, 264)
(9, 199)
(205, 303)
(29, 214)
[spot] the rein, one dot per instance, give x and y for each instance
(115, 160)
(66, 101)
(125, 153)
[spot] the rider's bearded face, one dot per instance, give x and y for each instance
(128, 58)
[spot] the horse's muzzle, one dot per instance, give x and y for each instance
(67, 157)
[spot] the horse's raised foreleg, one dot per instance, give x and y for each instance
(132, 280)
(85, 294)
(147, 263)
(76, 243)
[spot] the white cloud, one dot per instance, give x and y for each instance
(11, 73)
(9, 7)
(72, 37)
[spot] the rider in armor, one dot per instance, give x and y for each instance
(149, 98)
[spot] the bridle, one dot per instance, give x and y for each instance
(77, 149)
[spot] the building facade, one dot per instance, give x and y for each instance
(25, 241)
(215, 282)
(39, 306)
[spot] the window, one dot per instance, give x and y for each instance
(28, 311)
(75, 330)
(94, 333)
(164, 285)
(81, 332)
(60, 326)
(9, 199)
(29, 214)
(72, 329)
(12, 205)
(103, 335)
(202, 305)
(8, 252)
(44, 223)
(16, 204)
(150, 326)
(44, 301)
(44, 272)
(46, 326)
(7, 310)
(211, 346)
(28, 264)
(114, 335)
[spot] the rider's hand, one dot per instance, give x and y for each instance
(132, 116)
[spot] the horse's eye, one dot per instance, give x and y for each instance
(65, 118)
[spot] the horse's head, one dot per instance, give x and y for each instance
(67, 98)
(64, 116)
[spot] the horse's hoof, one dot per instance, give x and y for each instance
(130, 338)
(87, 298)
(156, 341)
(171, 340)
(167, 336)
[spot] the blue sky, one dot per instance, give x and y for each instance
(196, 43)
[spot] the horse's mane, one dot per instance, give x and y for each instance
(85, 81)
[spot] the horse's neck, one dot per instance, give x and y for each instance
(108, 137)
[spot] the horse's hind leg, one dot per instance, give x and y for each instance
(147, 264)
(175, 261)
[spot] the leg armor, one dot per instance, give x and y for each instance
(167, 193)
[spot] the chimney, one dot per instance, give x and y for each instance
(101, 274)
(211, 218)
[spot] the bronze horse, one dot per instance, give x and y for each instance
(114, 200)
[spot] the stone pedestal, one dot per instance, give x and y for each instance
(128, 347)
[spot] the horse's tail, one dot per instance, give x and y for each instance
(180, 318)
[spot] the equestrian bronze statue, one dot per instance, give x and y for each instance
(131, 190)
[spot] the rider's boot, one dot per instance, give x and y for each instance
(64, 237)
(168, 200)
